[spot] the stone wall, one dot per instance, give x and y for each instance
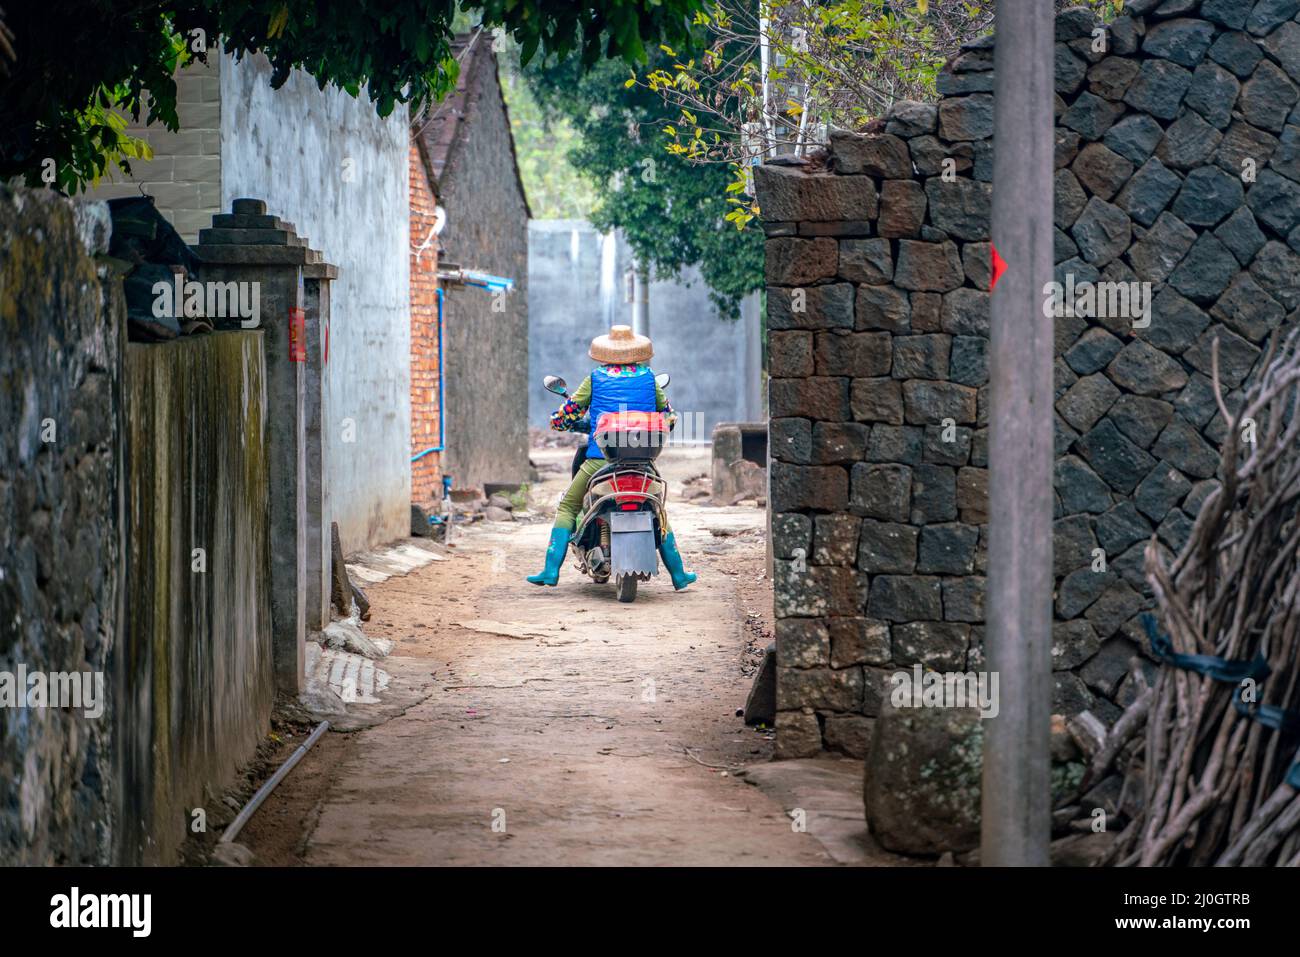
(485, 336)
(118, 463)
(61, 529)
(249, 246)
(1178, 155)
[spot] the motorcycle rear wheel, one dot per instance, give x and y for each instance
(626, 586)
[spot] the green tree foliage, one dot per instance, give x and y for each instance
(79, 60)
(556, 189)
(838, 64)
(771, 77)
(672, 213)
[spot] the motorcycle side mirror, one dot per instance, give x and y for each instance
(556, 384)
(662, 380)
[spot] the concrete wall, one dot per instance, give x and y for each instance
(184, 177)
(61, 526)
(878, 274)
(485, 336)
(576, 291)
(327, 163)
(193, 677)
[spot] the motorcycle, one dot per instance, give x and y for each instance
(620, 527)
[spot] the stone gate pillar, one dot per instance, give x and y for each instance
(316, 298)
(287, 285)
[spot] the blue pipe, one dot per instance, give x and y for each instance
(446, 493)
(442, 382)
(442, 393)
(487, 281)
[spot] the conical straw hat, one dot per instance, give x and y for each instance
(620, 346)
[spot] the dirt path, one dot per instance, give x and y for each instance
(562, 727)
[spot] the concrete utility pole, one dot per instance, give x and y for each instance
(1016, 811)
(641, 301)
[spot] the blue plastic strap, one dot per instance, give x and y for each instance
(1270, 716)
(1220, 669)
(1231, 672)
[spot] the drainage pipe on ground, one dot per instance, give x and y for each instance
(265, 790)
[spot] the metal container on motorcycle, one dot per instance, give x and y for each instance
(628, 437)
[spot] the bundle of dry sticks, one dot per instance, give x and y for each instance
(1207, 752)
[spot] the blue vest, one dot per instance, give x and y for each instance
(618, 393)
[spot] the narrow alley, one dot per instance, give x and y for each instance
(587, 731)
(848, 434)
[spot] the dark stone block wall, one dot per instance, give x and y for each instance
(62, 333)
(1178, 157)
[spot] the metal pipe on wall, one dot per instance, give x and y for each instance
(442, 386)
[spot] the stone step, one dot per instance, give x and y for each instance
(248, 254)
(249, 237)
(239, 221)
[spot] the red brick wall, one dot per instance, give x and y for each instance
(426, 474)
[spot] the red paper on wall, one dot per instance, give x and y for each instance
(297, 334)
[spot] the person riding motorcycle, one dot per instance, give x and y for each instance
(622, 382)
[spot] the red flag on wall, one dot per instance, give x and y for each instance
(999, 267)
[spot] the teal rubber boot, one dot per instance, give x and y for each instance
(555, 558)
(673, 562)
